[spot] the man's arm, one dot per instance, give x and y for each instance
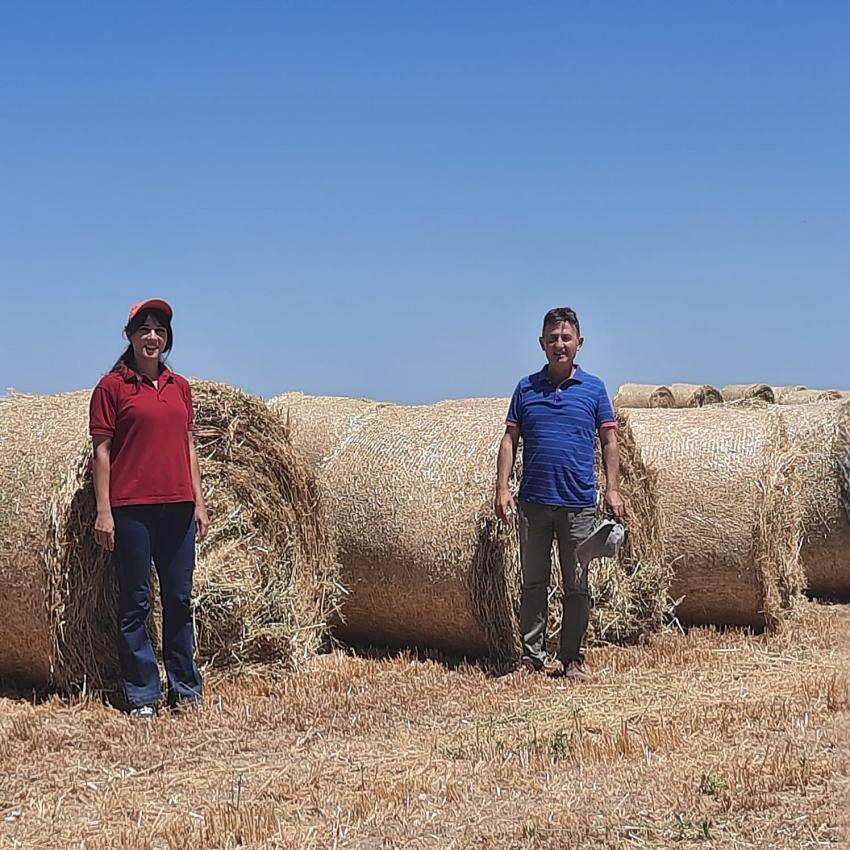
(611, 462)
(505, 504)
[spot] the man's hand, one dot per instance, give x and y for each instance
(202, 522)
(615, 504)
(104, 530)
(505, 505)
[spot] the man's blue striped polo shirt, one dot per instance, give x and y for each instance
(558, 425)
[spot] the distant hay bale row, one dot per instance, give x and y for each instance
(673, 395)
(266, 579)
(700, 395)
(424, 559)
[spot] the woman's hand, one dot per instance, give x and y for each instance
(202, 522)
(104, 530)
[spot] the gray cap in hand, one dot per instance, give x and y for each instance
(604, 542)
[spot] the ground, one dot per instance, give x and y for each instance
(705, 740)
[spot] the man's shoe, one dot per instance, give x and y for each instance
(526, 667)
(575, 670)
(142, 712)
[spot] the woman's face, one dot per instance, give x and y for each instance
(149, 341)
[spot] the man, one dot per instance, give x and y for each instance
(558, 412)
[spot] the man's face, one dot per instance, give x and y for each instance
(560, 342)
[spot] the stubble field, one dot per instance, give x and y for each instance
(725, 740)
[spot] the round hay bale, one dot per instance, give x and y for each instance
(778, 392)
(808, 396)
(424, 559)
(643, 395)
(816, 432)
(266, 575)
(319, 424)
(728, 491)
(738, 392)
(695, 395)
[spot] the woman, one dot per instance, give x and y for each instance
(147, 484)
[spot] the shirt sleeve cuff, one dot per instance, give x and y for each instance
(101, 432)
(511, 422)
(612, 424)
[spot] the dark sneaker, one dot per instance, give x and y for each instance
(142, 712)
(526, 667)
(575, 670)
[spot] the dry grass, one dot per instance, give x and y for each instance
(699, 741)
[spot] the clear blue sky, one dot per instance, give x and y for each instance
(382, 199)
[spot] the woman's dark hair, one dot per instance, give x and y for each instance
(126, 360)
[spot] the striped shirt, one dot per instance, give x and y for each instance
(558, 425)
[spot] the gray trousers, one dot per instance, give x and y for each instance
(538, 525)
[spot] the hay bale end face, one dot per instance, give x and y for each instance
(740, 392)
(266, 579)
(816, 431)
(728, 491)
(643, 395)
(695, 395)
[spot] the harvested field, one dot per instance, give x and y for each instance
(699, 741)
(695, 395)
(737, 392)
(728, 492)
(266, 580)
(643, 395)
(425, 562)
(816, 432)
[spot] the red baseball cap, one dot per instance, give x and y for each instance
(151, 304)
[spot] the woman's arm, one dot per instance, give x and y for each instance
(104, 524)
(202, 521)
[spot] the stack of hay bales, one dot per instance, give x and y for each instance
(695, 395)
(728, 489)
(423, 557)
(741, 392)
(266, 580)
(643, 395)
(818, 432)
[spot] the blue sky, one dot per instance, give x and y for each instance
(382, 199)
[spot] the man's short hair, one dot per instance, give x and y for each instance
(558, 315)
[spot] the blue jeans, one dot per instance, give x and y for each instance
(165, 533)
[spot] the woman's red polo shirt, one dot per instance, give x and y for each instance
(149, 427)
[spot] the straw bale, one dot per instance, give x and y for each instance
(266, 578)
(426, 563)
(318, 424)
(695, 395)
(816, 432)
(643, 395)
(728, 491)
(804, 396)
(737, 392)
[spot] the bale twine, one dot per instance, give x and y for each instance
(424, 559)
(739, 392)
(804, 396)
(728, 490)
(266, 579)
(318, 424)
(643, 395)
(816, 432)
(695, 395)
